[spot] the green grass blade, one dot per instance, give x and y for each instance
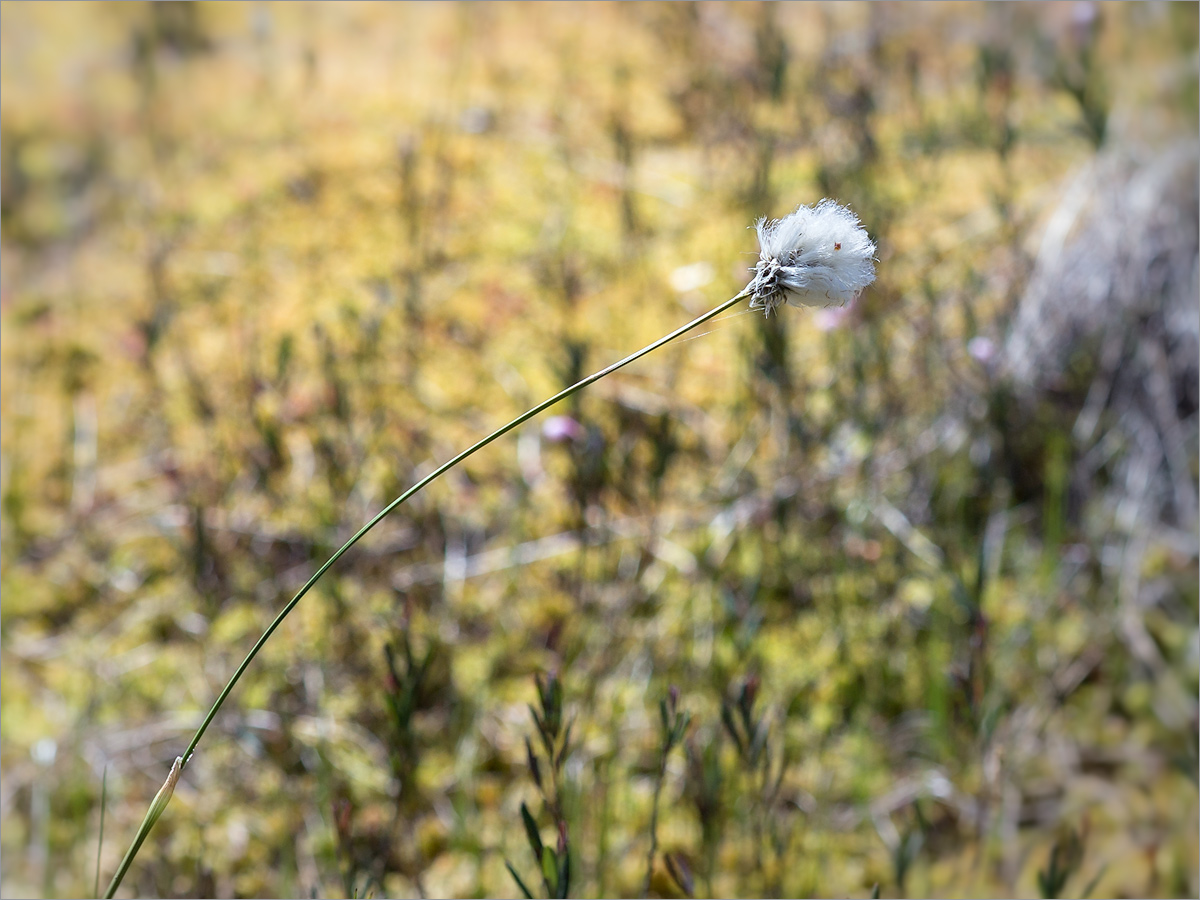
(517, 878)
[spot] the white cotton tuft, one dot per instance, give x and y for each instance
(818, 256)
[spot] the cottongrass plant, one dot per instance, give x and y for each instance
(817, 256)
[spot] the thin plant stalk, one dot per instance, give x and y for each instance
(100, 839)
(674, 726)
(157, 809)
(658, 786)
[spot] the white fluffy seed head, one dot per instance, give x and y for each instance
(818, 256)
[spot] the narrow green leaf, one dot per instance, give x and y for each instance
(680, 872)
(423, 669)
(163, 797)
(1091, 885)
(553, 710)
(408, 654)
(531, 831)
(534, 767)
(727, 720)
(550, 870)
(517, 879)
(564, 876)
(566, 746)
(389, 653)
(681, 724)
(760, 741)
(544, 733)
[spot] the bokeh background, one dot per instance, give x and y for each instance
(923, 571)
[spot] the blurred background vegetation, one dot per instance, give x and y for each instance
(902, 595)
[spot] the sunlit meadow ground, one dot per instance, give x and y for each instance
(265, 265)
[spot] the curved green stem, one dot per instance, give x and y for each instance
(151, 818)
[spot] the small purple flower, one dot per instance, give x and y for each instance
(561, 429)
(982, 350)
(832, 318)
(1085, 21)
